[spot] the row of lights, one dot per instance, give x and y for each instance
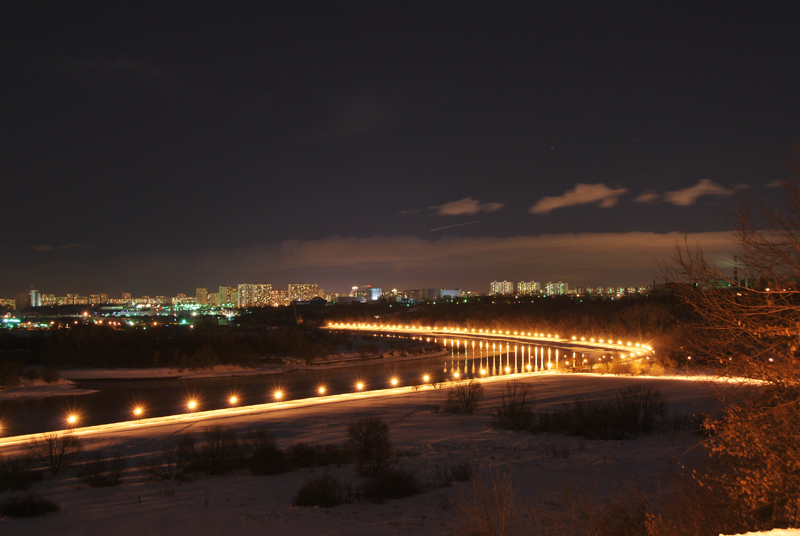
(487, 332)
(193, 405)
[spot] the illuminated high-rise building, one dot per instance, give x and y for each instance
(31, 298)
(98, 299)
(528, 288)
(303, 291)
(253, 295)
(279, 297)
(201, 296)
(556, 289)
(501, 287)
(225, 296)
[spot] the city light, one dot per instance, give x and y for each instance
(137, 411)
(394, 382)
(360, 386)
(321, 390)
(72, 419)
(278, 395)
(233, 400)
(192, 404)
(426, 378)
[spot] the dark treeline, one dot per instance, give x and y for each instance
(642, 319)
(164, 346)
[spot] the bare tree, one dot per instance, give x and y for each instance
(55, 450)
(488, 507)
(176, 454)
(465, 396)
(369, 437)
(515, 412)
(750, 324)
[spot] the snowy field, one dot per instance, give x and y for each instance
(541, 465)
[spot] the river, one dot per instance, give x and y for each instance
(114, 400)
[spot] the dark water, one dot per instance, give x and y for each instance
(115, 399)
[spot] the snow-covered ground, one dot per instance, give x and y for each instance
(541, 466)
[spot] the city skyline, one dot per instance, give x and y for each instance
(430, 144)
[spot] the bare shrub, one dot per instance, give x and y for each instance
(9, 374)
(461, 471)
(369, 438)
(515, 411)
(632, 411)
(55, 450)
(324, 491)
(219, 451)
(18, 473)
(99, 470)
(625, 512)
(487, 507)
(263, 457)
(640, 408)
(30, 505)
(174, 458)
(464, 397)
(392, 483)
(50, 374)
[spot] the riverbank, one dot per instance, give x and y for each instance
(41, 389)
(224, 371)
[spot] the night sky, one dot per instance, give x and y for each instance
(155, 147)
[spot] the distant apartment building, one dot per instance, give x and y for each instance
(430, 294)
(225, 296)
(450, 293)
(201, 296)
(303, 291)
(31, 298)
(253, 295)
(497, 288)
(330, 297)
(556, 289)
(528, 288)
(98, 299)
(48, 299)
(413, 294)
(278, 297)
(374, 294)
